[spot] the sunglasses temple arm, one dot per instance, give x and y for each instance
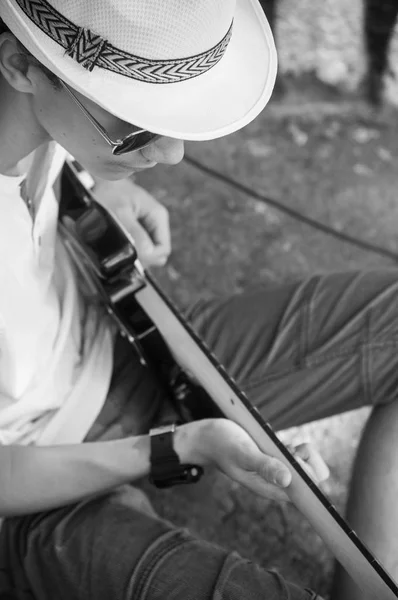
(93, 121)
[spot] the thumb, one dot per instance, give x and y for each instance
(268, 477)
(274, 471)
(270, 469)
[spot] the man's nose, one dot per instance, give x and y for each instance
(166, 150)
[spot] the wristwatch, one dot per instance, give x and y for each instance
(166, 468)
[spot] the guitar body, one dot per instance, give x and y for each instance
(165, 342)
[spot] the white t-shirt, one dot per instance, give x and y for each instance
(56, 352)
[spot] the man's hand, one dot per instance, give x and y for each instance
(143, 217)
(228, 447)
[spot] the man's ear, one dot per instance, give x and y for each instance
(14, 64)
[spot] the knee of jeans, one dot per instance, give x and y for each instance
(254, 581)
(178, 566)
(98, 541)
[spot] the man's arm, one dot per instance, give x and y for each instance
(34, 479)
(38, 478)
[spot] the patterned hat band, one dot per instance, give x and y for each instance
(91, 50)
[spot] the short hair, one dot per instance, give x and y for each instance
(50, 76)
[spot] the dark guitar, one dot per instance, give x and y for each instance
(107, 257)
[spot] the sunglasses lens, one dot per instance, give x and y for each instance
(135, 142)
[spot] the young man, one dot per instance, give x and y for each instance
(119, 85)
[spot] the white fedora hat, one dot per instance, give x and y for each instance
(189, 69)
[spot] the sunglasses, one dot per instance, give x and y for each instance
(133, 141)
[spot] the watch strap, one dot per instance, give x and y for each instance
(166, 468)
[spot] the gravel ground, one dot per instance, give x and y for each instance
(325, 38)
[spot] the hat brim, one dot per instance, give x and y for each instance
(217, 103)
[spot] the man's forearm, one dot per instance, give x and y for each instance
(34, 479)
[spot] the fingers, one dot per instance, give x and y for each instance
(148, 254)
(271, 477)
(146, 219)
(311, 461)
(154, 219)
(158, 225)
(267, 477)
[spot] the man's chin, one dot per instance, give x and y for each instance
(138, 169)
(115, 172)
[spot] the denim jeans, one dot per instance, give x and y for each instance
(301, 351)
